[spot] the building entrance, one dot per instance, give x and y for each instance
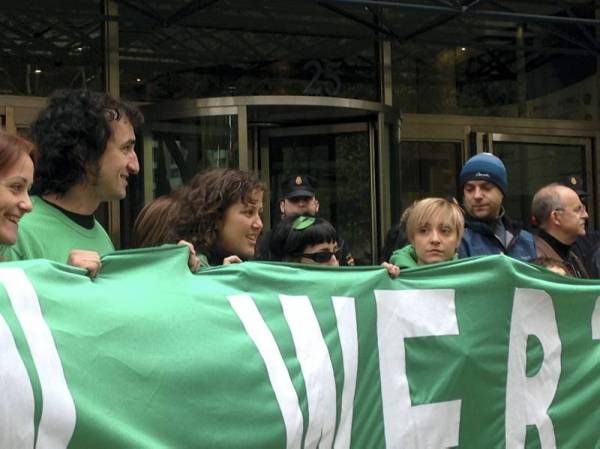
(335, 140)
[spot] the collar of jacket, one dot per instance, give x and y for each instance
(488, 226)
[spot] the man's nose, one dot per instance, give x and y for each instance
(133, 165)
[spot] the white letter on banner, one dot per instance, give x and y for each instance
(528, 398)
(16, 406)
(317, 370)
(286, 395)
(345, 313)
(403, 314)
(596, 321)
(57, 422)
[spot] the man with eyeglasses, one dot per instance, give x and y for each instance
(561, 218)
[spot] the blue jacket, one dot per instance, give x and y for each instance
(479, 240)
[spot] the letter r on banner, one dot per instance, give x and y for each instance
(528, 398)
(403, 314)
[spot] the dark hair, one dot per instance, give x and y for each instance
(71, 134)
(12, 148)
(287, 242)
(201, 205)
(394, 239)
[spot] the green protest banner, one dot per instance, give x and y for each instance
(478, 353)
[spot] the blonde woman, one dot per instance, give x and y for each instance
(434, 228)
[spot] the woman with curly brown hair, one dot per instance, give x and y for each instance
(219, 213)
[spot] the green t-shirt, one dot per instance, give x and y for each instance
(47, 233)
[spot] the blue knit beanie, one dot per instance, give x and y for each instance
(485, 167)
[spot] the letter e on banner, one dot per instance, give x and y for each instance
(403, 314)
(528, 398)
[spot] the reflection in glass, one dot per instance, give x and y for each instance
(183, 147)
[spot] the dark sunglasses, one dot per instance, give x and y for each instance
(322, 256)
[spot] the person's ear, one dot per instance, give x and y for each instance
(282, 207)
(316, 206)
(555, 217)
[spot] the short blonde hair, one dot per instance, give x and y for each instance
(424, 210)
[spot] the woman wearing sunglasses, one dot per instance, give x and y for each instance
(305, 239)
(434, 227)
(310, 240)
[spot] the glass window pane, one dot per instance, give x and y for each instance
(340, 164)
(531, 166)
(428, 169)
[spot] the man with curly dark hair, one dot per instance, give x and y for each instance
(86, 145)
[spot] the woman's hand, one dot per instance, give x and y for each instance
(392, 269)
(193, 259)
(88, 260)
(231, 259)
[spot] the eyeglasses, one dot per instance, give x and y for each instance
(322, 256)
(579, 210)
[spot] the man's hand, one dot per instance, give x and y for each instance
(88, 260)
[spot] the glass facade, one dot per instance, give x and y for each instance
(219, 51)
(484, 82)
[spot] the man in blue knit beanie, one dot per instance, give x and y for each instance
(488, 230)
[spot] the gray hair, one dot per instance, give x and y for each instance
(544, 202)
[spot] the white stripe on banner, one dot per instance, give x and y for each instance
(16, 406)
(286, 395)
(596, 321)
(317, 370)
(57, 422)
(345, 313)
